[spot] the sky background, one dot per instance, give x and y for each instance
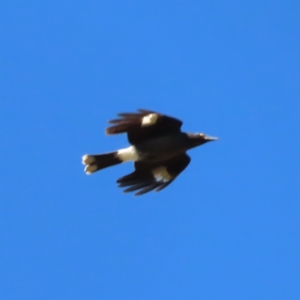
(228, 227)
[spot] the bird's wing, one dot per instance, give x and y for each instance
(143, 125)
(148, 177)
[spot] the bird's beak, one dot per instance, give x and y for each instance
(210, 138)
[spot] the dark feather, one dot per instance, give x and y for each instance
(131, 123)
(142, 178)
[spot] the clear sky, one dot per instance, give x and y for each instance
(228, 227)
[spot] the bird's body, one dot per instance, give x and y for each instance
(158, 149)
(163, 147)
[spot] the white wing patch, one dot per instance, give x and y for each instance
(128, 154)
(149, 120)
(161, 173)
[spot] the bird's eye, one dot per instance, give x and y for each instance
(202, 134)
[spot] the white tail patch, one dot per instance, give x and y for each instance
(87, 159)
(149, 119)
(89, 169)
(128, 154)
(161, 173)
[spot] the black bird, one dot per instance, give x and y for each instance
(158, 150)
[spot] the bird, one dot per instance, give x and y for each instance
(158, 149)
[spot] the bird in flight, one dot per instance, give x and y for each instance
(158, 150)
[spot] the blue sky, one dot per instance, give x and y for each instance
(228, 227)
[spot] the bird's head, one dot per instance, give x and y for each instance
(198, 139)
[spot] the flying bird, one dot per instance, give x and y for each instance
(158, 150)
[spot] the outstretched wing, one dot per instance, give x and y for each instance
(148, 177)
(143, 125)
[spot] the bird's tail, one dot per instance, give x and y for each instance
(98, 162)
